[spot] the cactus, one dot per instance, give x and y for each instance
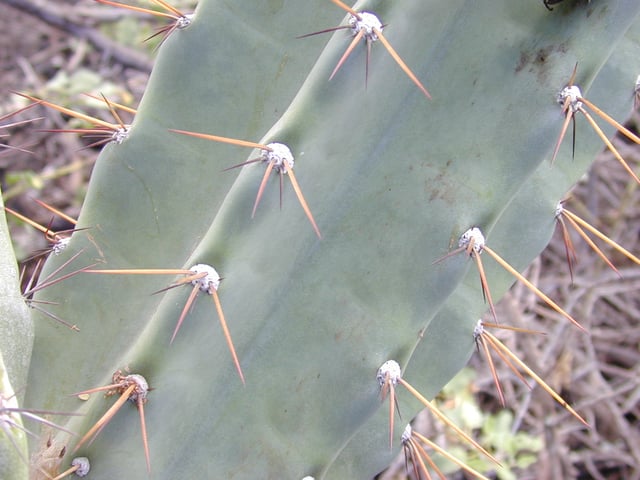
(392, 178)
(16, 338)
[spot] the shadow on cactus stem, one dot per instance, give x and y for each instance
(571, 99)
(278, 158)
(367, 26)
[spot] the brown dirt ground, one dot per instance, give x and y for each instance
(599, 373)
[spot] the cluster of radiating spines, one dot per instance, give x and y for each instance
(389, 376)
(203, 278)
(8, 411)
(277, 157)
(417, 460)
(490, 343)
(58, 242)
(567, 218)
(134, 387)
(105, 132)
(33, 286)
(472, 242)
(129, 386)
(177, 19)
(573, 102)
(5, 125)
(367, 26)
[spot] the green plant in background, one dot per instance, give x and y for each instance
(393, 179)
(515, 450)
(519, 449)
(161, 9)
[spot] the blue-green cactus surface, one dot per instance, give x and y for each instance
(392, 179)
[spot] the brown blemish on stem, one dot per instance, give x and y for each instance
(538, 61)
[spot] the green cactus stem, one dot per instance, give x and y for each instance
(393, 180)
